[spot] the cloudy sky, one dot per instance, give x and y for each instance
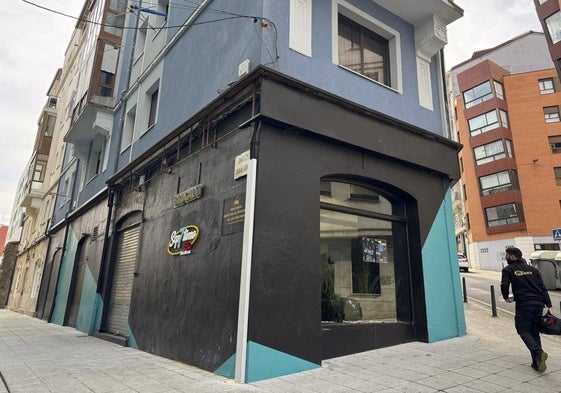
(34, 41)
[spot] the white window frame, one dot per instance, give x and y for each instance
(369, 22)
(546, 89)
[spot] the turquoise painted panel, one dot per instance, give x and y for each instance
(443, 296)
(228, 368)
(264, 363)
(64, 278)
(131, 341)
(87, 310)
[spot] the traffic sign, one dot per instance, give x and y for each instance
(556, 233)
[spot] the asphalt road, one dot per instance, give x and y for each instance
(478, 288)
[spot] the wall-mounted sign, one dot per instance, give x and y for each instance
(182, 240)
(189, 195)
(240, 165)
(233, 214)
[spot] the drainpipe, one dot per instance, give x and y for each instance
(105, 254)
(245, 280)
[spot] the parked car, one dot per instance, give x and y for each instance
(463, 262)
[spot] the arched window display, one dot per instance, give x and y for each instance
(364, 258)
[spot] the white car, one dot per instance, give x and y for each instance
(463, 262)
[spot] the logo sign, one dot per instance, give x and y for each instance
(189, 195)
(182, 240)
(556, 234)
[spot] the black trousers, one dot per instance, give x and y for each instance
(527, 321)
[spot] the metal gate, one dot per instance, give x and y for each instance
(121, 288)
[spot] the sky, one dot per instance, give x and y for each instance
(34, 41)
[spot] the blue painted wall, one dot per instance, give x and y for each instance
(320, 71)
(64, 279)
(445, 314)
(204, 61)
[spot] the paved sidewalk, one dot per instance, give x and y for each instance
(39, 357)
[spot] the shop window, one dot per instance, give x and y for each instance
(493, 151)
(488, 121)
(497, 182)
(557, 172)
(366, 46)
(360, 264)
(482, 93)
(551, 114)
(555, 144)
(502, 215)
(546, 86)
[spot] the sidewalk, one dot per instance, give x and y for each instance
(39, 357)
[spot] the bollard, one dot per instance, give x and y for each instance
(493, 301)
(465, 289)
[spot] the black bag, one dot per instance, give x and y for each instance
(550, 324)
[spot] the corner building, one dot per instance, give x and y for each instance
(267, 202)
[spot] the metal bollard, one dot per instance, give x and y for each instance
(493, 301)
(465, 289)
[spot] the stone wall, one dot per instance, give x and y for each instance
(7, 271)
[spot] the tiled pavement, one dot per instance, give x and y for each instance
(39, 357)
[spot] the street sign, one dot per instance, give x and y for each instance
(556, 233)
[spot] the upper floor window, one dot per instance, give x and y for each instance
(493, 151)
(153, 109)
(502, 215)
(546, 86)
(557, 173)
(555, 143)
(363, 51)
(365, 45)
(553, 24)
(482, 93)
(488, 121)
(497, 182)
(551, 114)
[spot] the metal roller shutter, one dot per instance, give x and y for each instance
(121, 289)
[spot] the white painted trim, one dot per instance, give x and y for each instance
(300, 27)
(393, 36)
(245, 280)
(424, 83)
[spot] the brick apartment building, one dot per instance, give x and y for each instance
(506, 114)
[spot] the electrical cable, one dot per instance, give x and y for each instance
(232, 16)
(126, 27)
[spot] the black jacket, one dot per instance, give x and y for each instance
(527, 284)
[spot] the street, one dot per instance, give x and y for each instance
(478, 285)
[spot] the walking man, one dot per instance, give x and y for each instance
(530, 296)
